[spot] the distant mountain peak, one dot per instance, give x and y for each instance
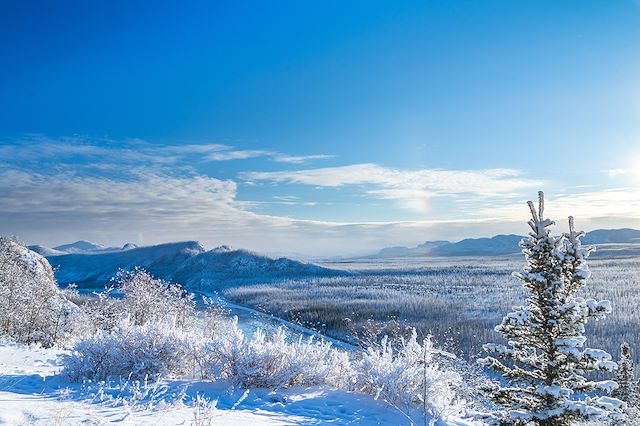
(432, 244)
(222, 249)
(80, 245)
(45, 251)
(190, 246)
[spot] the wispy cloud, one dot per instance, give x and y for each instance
(148, 192)
(411, 188)
(35, 147)
(286, 199)
(230, 154)
(614, 173)
(297, 159)
(613, 205)
(487, 182)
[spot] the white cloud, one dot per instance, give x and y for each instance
(614, 173)
(33, 147)
(612, 206)
(235, 155)
(147, 194)
(410, 188)
(296, 159)
(194, 148)
(411, 199)
(230, 154)
(487, 182)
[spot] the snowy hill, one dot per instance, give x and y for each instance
(222, 265)
(81, 246)
(129, 246)
(606, 236)
(91, 270)
(494, 246)
(424, 249)
(45, 251)
(610, 242)
(187, 263)
(34, 262)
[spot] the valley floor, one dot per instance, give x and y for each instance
(33, 392)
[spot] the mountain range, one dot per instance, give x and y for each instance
(90, 265)
(609, 242)
(82, 247)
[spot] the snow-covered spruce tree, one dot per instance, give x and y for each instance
(544, 362)
(624, 377)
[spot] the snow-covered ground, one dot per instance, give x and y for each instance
(32, 391)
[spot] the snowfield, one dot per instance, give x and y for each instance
(33, 392)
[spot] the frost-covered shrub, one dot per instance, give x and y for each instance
(32, 307)
(134, 352)
(104, 313)
(147, 299)
(274, 363)
(150, 333)
(214, 318)
(407, 376)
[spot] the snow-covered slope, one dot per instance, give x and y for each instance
(33, 392)
(45, 251)
(186, 263)
(34, 262)
(96, 270)
(222, 266)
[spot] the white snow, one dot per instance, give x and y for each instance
(32, 392)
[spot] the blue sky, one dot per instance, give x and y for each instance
(315, 127)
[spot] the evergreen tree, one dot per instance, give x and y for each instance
(624, 377)
(544, 361)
